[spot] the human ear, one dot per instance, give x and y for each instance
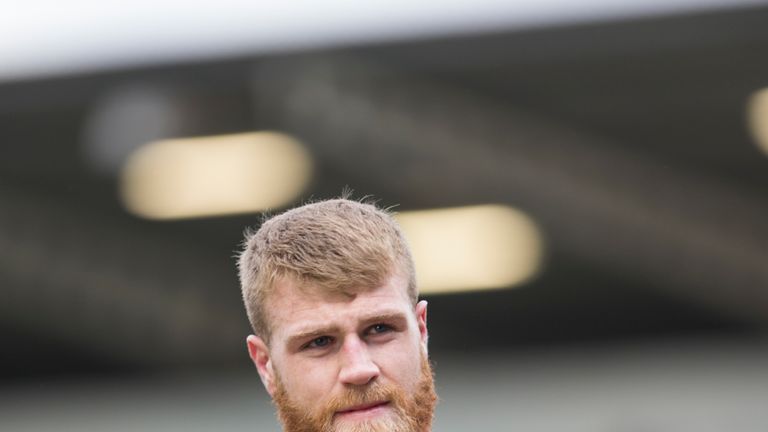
(421, 321)
(259, 352)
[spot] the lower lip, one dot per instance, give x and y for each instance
(365, 414)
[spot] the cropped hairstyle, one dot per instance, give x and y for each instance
(339, 245)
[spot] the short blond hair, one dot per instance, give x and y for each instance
(340, 245)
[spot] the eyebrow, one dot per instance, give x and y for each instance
(386, 316)
(310, 334)
(397, 317)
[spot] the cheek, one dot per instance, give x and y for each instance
(308, 381)
(401, 363)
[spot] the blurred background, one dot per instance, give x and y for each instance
(583, 184)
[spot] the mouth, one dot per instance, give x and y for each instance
(364, 411)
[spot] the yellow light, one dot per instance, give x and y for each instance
(215, 175)
(758, 118)
(479, 247)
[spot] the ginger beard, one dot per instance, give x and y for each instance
(409, 413)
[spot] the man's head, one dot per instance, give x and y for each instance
(340, 340)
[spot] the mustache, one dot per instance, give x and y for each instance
(354, 397)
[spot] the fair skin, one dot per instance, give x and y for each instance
(322, 344)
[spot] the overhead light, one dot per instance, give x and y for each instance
(758, 118)
(478, 247)
(214, 175)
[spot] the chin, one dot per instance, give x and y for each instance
(382, 424)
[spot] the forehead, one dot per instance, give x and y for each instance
(293, 307)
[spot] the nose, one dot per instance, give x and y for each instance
(357, 366)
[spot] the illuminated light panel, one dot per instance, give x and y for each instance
(215, 175)
(467, 248)
(758, 118)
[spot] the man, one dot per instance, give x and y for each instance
(340, 338)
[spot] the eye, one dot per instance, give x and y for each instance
(377, 329)
(319, 342)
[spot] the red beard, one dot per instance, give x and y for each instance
(411, 413)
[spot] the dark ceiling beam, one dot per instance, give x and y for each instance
(105, 285)
(669, 226)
